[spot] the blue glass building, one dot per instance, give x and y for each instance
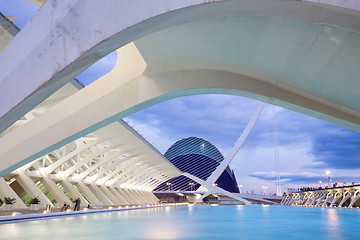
(200, 158)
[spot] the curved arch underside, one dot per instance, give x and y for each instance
(273, 51)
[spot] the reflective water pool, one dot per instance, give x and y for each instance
(198, 222)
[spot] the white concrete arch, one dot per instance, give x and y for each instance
(138, 78)
(150, 71)
(50, 46)
(108, 105)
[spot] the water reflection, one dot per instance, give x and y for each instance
(196, 222)
(163, 230)
(333, 224)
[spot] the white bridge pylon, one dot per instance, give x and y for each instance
(209, 185)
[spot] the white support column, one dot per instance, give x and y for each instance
(132, 196)
(32, 189)
(337, 196)
(88, 193)
(354, 198)
(304, 198)
(293, 198)
(283, 199)
(322, 197)
(296, 199)
(128, 199)
(152, 195)
(148, 197)
(141, 196)
(110, 195)
(329, 196)
(100, 195)
(73, 192)
(128, 196)
(309, 199)
(313, 200)
(58, 194)
(346, 196)
(137, 196)
(121, 198)
(202, 197)
(225, 163)
(7, 191)
(214, 189)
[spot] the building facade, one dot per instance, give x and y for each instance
(199, 158)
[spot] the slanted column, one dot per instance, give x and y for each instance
(73, 192)
(291, 199)
(354, 198)
(322, 197)
(336, 197)
(305, 198)
(124, 195)
(130, 199)
(100, 195)
(297, 199)
(88, 193)
(346, 196)
(316, 196)
(7, 191)
(310, 198)
(145, 197)
(288, 199)
(58, 194)
(152, 196)
(284, 199)
(32, 189)
(132, 196)
(110, 195)
(328, 198)
(122, 200)
(140, 197)
(296, 196)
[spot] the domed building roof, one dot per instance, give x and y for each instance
(199, 158)
(193, 145)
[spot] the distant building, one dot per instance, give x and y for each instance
(200, 158)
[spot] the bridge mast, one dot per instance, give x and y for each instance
(276, 149)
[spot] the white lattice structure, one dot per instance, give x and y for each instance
(346, 196)
(166, 49)
(111, 166)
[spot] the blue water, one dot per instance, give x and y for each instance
(198, 222)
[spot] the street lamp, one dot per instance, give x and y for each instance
(240, 186)
(191, 186)
(169, 184)
(327, 172)
(264, 187)
(320, 183)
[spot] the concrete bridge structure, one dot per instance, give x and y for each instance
(334, 197)
(299, 55)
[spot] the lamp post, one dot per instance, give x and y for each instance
(191, 186)
(240, 186)
(320, 183)
(328, 175)
(264, 187)
(169, 184)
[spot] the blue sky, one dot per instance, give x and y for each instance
(307, 146)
